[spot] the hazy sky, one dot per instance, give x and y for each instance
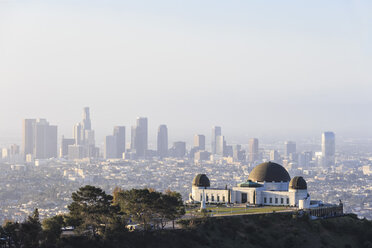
(257, 68)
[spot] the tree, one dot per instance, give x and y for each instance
(138, 204)
(147, 206)
(92, 210)
(52, 229)
(11, 233)
(30, 231)
(175, 205)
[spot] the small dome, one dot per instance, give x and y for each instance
(201, 180)
(269, 172)
(298, 183)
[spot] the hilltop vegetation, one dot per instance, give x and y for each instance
(100, 221)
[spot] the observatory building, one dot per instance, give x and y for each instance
(268, 184)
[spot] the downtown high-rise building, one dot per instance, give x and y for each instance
(84, 139)
(139, 139)
(289, 148)
(328, 149)
(253, 152)
(119, 134)
(110, 147)
(63, 150)
(216, 131)
(199, 142)
(220, 145)
(39, 139)
(115, 144)
(162, 141)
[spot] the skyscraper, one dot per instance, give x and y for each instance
(328, 148)
(199, 141)
(119, 134)
(84, 138)
(289, 148)
(162, 141)
(139, 137)
(110, 147)
(28, 136)
(63, 152)
(220, 145)
(86, 119)
(39, 139)
(179, 149)
(216, 131)
(253, 150)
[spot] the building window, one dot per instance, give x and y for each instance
(271, 200)
(276, 200)
(288, 201)
(264, 199)
(212, 198)
(218, 198)
(223, 198)
(281, 200)
(206, 198)
(201, 197)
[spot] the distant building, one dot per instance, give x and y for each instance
(110, 147)
(289, 148)
(220, 145)
(238, 153)
(84, 137)
(253, 152)
(201, 156)
(162, 141)
(63, 151)
(139, 137)
(119, 134)
(75, 152)
(328, 149)
(216, 131)
(199, 142)
(274, 156)
(179, 149)
(39, 139)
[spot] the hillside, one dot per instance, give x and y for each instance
(272, 230)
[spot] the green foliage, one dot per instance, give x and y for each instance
(30, 231)
(91, 210)
(149, 207)
(52, 229)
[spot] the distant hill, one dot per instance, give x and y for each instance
(271, 230)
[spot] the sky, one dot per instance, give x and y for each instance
(282, 69)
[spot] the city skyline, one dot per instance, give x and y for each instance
(239, 69)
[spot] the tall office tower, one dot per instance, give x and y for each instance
(274, 156)
(253, 150)
(199, 141)
(220, 145)
(110, 147)
(162, 141)
(133, 137)
(216, 131)
(289, 148)
(28, 136)
(119, 134)
(78, 134)
(86, 119)
(179, 149)
(328, 148)
(236, 151)
(39, 139)
(140, 140)
(84, 138)
(63, 151)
